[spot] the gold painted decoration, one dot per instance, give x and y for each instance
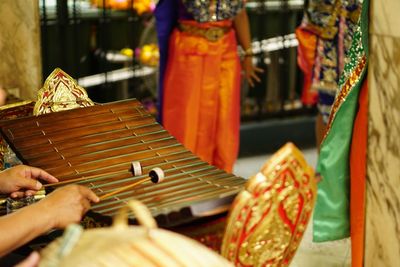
(60, 92)
(268, 218)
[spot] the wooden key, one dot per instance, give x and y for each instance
(156, 175)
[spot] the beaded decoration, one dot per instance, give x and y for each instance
(213, 10)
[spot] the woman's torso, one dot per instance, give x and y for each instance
(209, 10)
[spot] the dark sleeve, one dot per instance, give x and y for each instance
(166, 15)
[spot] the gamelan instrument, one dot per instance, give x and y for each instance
(118, 150)
(96, 146)
(264, 228)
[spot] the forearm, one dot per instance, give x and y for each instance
(21, 227)
(242, 27)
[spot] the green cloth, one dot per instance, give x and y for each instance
(332, 210)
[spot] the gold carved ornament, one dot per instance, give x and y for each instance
(268, 218)
(60, 92)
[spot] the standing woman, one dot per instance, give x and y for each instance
(200, 74)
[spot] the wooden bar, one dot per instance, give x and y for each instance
(149, 162)
(144, 130)
(95, 146)
(50, 118)
(34, 129)
(69, 135)
(76, 158)
(88, 148)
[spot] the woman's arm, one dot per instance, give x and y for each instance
(60, 208)
(21, 227)
(242, 27)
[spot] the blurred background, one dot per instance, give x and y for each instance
(110, 47)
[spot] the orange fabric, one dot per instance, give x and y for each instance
(305, 60)
(358, 165)
(201, 105)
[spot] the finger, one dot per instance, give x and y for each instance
(255, 77)
(17, 194)
(250, 81)
(31, 261)
(89, 194)
(86, 206)
(30, 193)
(28, 183)
(36, 173)
(258, 70)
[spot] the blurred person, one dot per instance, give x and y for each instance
(325, 36)
(342, 163)
(199, 86)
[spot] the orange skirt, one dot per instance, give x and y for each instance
(201, 104)
(358, 173)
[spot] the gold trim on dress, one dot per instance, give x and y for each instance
(345, 90)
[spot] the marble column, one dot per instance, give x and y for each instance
(20, 56)
(382, 239)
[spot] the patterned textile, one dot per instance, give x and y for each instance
(213, 10)
(201, 102)
(200, 79)
(346, 121)
(334, 23)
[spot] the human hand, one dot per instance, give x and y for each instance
(22, 180)
(251, 71)
(67, 205)
(31, 261)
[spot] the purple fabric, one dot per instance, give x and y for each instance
(183, 13)
(166, 15)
